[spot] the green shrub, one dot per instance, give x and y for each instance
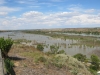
(80, 57)
(5, 45)
(40, 47)
(61, 52)
(95, 62)
(54, 49)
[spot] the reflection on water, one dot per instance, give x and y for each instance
(70, 46)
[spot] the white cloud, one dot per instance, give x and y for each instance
(4, 10)
(32, 14)
(3, 13)
(81, 10)
(8, 9)
(90, 11)
(35, 19)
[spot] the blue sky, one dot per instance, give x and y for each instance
(40, 14)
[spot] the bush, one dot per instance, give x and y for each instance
(95, 62)
(40, 47)
(61, 52)
(5, 45)
(80, 57)
(56, 61)
(93, 71)
(54, 49)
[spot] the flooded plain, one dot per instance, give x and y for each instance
(69, 45)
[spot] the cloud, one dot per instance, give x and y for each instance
(35, 20)
(32, 14)
(8, 9)
(3, 13)
(26, 1)
(4, 10)
(90, 11)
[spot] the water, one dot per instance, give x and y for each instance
(47, 40)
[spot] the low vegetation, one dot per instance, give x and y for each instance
(40, 47)
(94, 60)
(80, 57)
(57, 59)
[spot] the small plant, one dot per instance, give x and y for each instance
(41, 59)
(40, 47)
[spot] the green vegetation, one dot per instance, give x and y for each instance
(95, 62)
(41, 59)
(5, 45)
(9, 66)
(40, 47)
(80, 57)
(54, 49)
(61, 52)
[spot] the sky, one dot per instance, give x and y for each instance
(45, 14)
